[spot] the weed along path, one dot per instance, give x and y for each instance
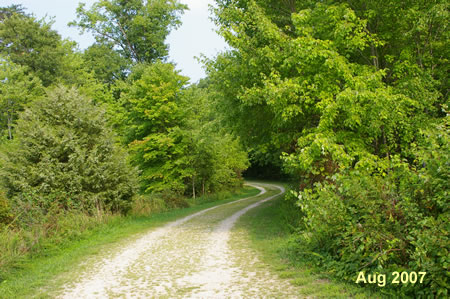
(188, 258)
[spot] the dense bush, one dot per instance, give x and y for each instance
(388, 217)
(64, 154)
(5, 209)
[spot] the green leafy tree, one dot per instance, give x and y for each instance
(216, 158)
(32, 43)
(65, 155)
(17, 89)
(173, 135)
(107, 65)
(6, 12)
(137, 28)
(151, 119)
(311, 97)
(344, 91)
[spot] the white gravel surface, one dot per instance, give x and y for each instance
(187, 258)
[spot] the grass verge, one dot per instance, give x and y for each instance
(38, 274)
(269, 232)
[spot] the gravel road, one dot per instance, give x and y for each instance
(193, 257)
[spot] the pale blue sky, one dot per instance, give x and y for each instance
(194, 37)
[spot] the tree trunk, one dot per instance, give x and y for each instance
(99, 210)
(375, 57)
(385, 142)
(203, 187)
(193, 187)
(374, 52)
(9, 128)
(10, 120)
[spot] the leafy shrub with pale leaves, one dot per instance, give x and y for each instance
(64, 153)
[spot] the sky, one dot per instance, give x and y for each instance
(195, 36)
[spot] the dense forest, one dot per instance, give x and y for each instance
(347, 100)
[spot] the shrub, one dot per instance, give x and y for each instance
(145, 205)
(174, 200)
(5, 210)
(391, 215)
(64, 153)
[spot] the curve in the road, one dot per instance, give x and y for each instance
(189, 257)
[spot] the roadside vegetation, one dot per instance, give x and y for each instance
(37, 257)
(270, 230)
(350, 101)
(90, 138)
(346, 99)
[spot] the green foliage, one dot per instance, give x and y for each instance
(106, 63)
(17, 90)
(152, 116)
(152, 99)
(172, 135)
(39, 49)
(5, 209)
(6, 12)
(385, 218)
(64, 154)
(32, 43)
(348, 93)
(137, 28)
(216, 158)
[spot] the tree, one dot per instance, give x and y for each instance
(137, 28)
(217, 159)
(32, 43)
(65, 155)
(6, 12)
(173, 136)
(16, 90)
(344, 91)
(107, 65)
(151, 121)
(308, 91)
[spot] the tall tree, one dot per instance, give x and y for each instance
(302, 81)
(150, 105)
(16, 90)
(6, 12)
(137, 28)
(216, 157)
(173, 135)
(32, 43)
(107, 65)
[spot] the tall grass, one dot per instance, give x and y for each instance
(17, 242)
(35, 233)
(148, 204)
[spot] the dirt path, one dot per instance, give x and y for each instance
(188, 258)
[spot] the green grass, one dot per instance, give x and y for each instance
(268, 232)
(34, 276)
